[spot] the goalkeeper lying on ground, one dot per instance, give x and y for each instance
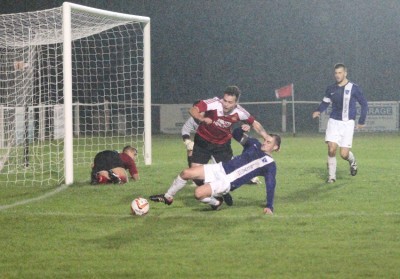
(109, 166)
(223, 177)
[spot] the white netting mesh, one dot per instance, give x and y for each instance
(107, 73)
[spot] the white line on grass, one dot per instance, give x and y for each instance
(23, 202)
(279, 216)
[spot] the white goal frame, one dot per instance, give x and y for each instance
(74, 81)
(67, 72)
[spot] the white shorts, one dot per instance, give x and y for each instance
(215, 175)
(340, 132)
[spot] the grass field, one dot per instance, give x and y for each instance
(346, 230)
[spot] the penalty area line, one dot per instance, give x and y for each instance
(45, 196)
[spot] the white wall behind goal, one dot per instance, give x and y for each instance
(172, 117)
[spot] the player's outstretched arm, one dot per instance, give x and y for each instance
(239, 135)
(259, 129)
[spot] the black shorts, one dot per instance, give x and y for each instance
(107, 160)
(203, 150)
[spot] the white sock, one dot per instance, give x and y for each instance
(210, 201)
(332, 167)
(176, 186)
(351, 158)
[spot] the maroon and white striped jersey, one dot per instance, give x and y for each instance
(220, 131)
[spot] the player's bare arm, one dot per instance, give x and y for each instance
(135, 177)
(259, 129)
(245, 127)
(196, 114)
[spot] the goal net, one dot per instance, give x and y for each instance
(73, 81)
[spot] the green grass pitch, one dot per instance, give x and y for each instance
(346, 230)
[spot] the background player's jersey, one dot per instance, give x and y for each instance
(219, 132)
(189, 127)
(252, 162)
(343, 99)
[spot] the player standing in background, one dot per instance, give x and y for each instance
(187, 128)
(190, 126)
(212, 139)
(340, 130)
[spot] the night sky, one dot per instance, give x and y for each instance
(200, 47)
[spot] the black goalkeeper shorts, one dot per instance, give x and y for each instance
(107, 160)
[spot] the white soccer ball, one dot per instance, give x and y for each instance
(140, 206)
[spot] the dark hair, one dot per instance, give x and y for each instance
(340, 65)
(233, 90)
(277, 139)
(129, 148)
(196, 102)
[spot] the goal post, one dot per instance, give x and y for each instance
(81, 78)
(67, 25)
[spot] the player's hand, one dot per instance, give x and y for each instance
(245, 127)
(256, 180)
(207, 120)
(268, 211)
(316, 114)
(189, 144)
(359, 126)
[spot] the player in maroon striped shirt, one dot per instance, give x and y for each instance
(217, 117)
(213, 136)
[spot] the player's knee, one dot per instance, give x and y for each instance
(185, 174)
(344, 155)
(198, 193)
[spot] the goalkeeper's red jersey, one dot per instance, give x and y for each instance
(129, 163)
(220, 130)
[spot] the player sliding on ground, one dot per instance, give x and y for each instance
(223, 177)
(216, 118)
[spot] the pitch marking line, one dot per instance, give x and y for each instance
(280, 216)
(23, 202)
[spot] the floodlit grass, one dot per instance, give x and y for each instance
(346, 230)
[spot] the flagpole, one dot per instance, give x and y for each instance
(294, 118)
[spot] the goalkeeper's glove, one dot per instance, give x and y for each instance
(189, 144)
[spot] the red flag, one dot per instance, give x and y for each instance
(284, 92)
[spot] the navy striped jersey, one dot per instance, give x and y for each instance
(252, 162)
(343, 99)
